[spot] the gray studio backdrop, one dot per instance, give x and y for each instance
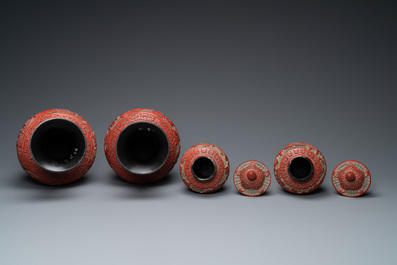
(249, 76)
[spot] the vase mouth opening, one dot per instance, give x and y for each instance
(58, 145)
(142, 148)
(203, 168)
(300, 168)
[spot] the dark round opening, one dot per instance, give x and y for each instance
(142, 148)
(58, 145)
(203, 168)
(300, 168)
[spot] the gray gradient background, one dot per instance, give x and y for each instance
(249, 76)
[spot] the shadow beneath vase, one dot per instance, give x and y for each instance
(142, 191)
(220, 192)
(33, 190)
(319, 193)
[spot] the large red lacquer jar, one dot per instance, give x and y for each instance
(142, 145)
(56, 146)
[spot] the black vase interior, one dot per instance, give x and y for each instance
(203, 168)
(142, 148)
(300, 168)
(58, 145)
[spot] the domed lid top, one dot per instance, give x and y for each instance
(351, 178)
(252, 178)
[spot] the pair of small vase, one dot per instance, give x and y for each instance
(58, 147)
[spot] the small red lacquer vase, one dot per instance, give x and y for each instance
(204, 168)
(300, 168)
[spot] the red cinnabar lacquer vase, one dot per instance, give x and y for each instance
(142, 145)
(56, 146)
(204, 168)
(351, 178)
(300, 168)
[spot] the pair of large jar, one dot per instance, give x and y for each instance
(58, 146)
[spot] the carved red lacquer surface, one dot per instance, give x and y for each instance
(142, 115)
(283, 159)
(252, 178)
(36, 171)
(351, 178)
(213, 152)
